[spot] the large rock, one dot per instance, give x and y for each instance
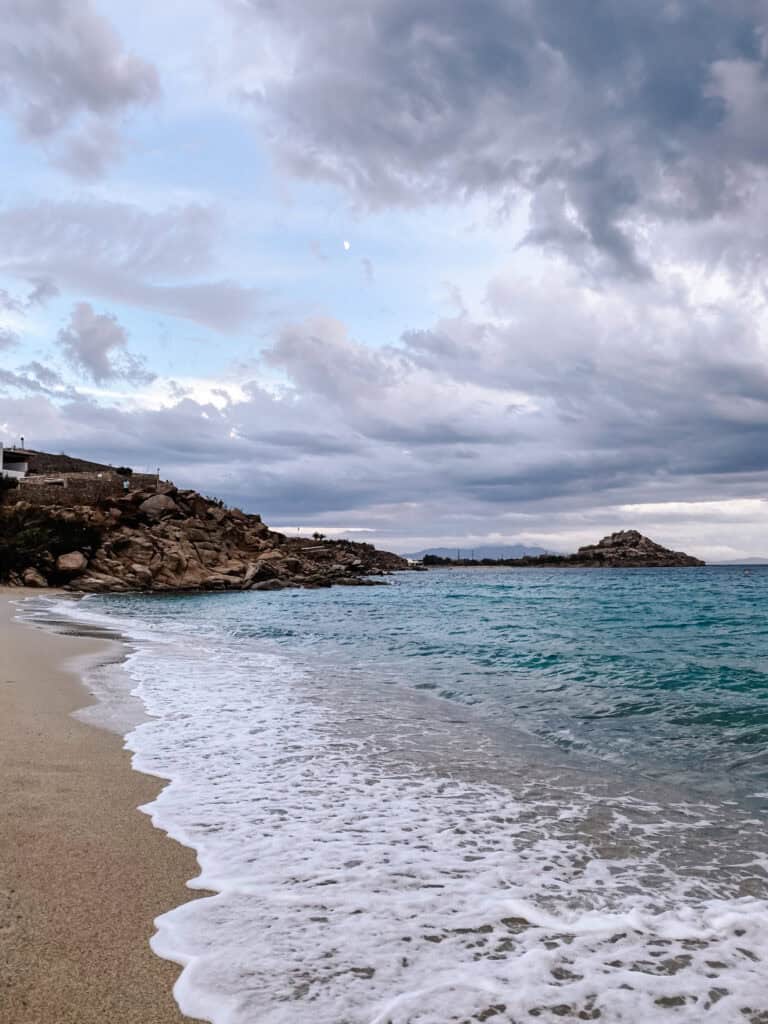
(72, 564)
(268, 585)
(33, 578)
(158, 505)
(100, 583)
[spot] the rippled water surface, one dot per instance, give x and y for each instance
(661, 671)
(470, 795)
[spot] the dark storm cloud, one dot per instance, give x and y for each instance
(611, 114)
(635, 397)
(637, 388)
(123, 253)
(305, 441)
(641, 394)
(379, 393)
(66, 80)
(468, 420)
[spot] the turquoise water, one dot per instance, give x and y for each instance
(517, 795)
(658, 671)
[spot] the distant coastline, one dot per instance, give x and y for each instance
(626, 549)
(741, 561)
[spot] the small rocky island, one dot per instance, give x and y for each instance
(626, 549)
(95, 529)
(629, 549)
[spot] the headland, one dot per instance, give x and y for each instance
(99, 529)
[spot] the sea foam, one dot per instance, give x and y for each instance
(378, 861)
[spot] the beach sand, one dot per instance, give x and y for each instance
(82, 872)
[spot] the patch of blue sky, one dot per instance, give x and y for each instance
(288, 239)
(284, 237)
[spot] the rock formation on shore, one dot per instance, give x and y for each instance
(167, 539)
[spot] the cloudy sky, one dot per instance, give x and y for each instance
(438, 271)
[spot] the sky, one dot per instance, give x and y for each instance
(410, 271)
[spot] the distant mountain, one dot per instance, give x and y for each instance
(625, 549)
(488, 551)
(742, 561)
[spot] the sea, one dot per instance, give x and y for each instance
(518, 795)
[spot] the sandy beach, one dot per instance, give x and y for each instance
(83, 874)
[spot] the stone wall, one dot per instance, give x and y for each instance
(143, 481)
(77, 488)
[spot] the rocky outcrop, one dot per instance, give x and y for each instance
(628, 549)
(171, 540)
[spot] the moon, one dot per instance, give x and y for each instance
(347, 245)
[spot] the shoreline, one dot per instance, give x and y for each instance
(83, 873)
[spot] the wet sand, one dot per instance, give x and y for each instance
(83, 874)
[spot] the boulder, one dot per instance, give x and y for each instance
(103, 583)
(196, 534)
(32, 578)
(258, 536)
(259, 572)
(72, 564)
(158, 505)
(270, 556)
(141, 573)
(221, 581)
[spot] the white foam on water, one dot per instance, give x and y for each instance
(358, 887)
(115, 707)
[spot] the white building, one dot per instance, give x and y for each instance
(14, 462)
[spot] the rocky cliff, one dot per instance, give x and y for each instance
(171, 540)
